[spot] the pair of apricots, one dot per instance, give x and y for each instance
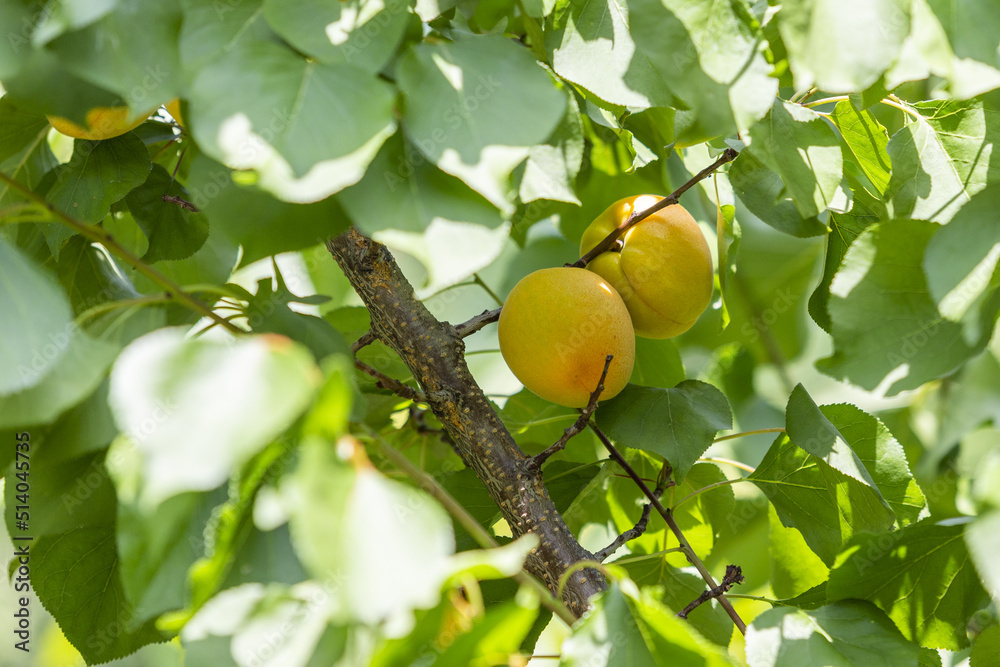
(558, 325)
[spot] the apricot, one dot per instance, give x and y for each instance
(556, 329)
(173, 107)
(102, 123)
(662, 269)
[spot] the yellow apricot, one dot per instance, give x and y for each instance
(102, 123)
(557, 327)
(173, 107)
(663, 269)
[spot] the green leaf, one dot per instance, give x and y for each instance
(269, 312)
(196, 408)
(99, 174)
(803, 150)
(76, 576)
(657, 363)
(336, 504)
(434, 247)
(18, 128)
(84, 429)
(794, 567)
(883, 316)
(132, 51)
(982, 537)
(402, 191)
(971, 30)
(21, 20)
(476, 106)
(844, 229)
(867, 141)
(363, 33)
(494, 637)
(78, 373)
(961, 264)
(842, 47)
(257, 221)
(65, 492)
(807, 427)
(920, 576)
(883, 458)
(625, 627)
(209, 31)
(625, 56)
(676, 589)
(827, 506)
(842, 634)
(35, 326)
(678, 424)
(173, 231)
(986, 649)
(552, 166)
(158, 547)
(762, 191)
(234, 627)
(261, 107)
(728, 235)
(937, 160)
(69, 15)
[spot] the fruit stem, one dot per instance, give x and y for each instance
(728, 155)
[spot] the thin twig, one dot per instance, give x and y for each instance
(392, 384)
(478, 533)
(486, 288)
(576, 427)
(669, 518)
(102, 236)
(478, 322)
(662, 482)
(776, 429)
(728, 155)
(734, 575)
(627, 536)
(183, 203)
(367, 339)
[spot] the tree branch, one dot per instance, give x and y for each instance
(392, 384)
(536, 461)
(478, 322)
(669, 518)
(478, 533)
(734, 575)
(640, 525)
(435, 354)
(728, 155)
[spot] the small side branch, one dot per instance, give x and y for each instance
(392, 384)
(734, 575)
(537, 460)
(662, 483)
(671, 523)
(367, 339)
(627, 536)
(478, 322)
(728, 155)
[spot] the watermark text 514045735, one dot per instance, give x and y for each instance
(21, 508)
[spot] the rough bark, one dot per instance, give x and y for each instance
(435, 354)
